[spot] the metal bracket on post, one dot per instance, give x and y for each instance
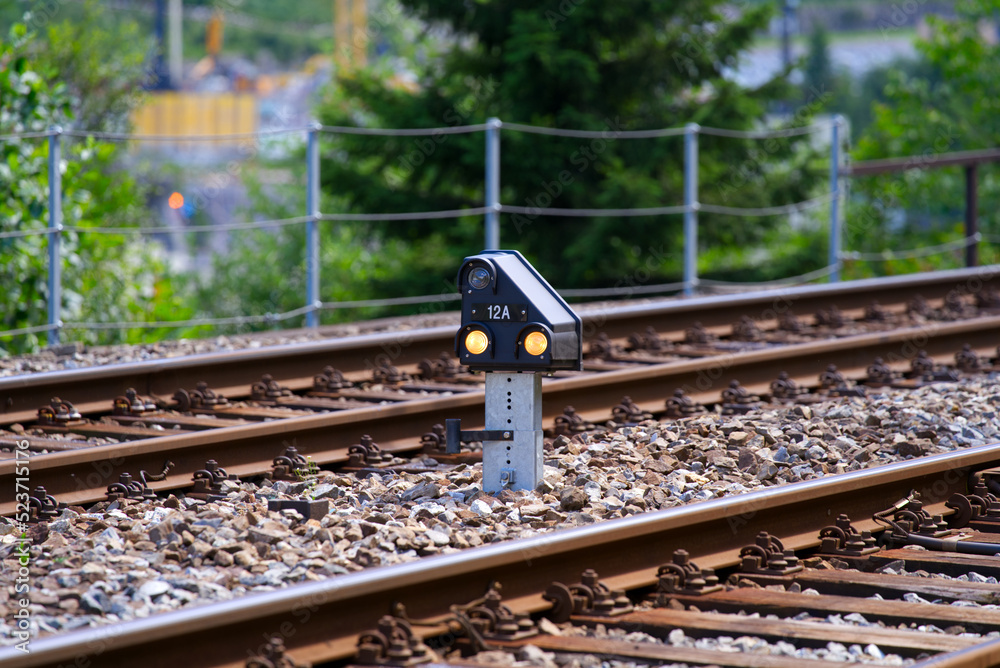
(454, 436)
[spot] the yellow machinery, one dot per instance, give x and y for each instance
(184, 114)
(179, 113)
(350, 37)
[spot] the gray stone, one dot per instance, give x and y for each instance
(95, 600)
(572, 498)
(533, 510)
(910, 449)
(482, 508)
(439, 538)
(802, 470)
(747, 460)
(738, 438)
(223, 558)
(153, 588)
(261, 535)
(767, 470)
(817, 452)
(802, 411)
(427, 490)
(840, 412)
(110, 538)
(214, 522)
(164, 533)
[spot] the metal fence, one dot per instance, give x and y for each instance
(491, 210)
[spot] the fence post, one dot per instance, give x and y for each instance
(690, 208)
(493, 183)
(55, 235)
(971, 215)
(835, 241)
(312, 232)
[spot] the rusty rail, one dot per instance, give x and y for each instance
(232, 373)
(82, 475)
(320, 621)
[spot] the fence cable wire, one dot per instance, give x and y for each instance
(764, 134)
(37, 329)
(126, 136)
(27, 135)
(594, 134)
(913, 252)
(391, 301)
(417, 215)
(404, 132)
(27, 233)
(446, 130)
(767, 210)
(592, 213)
(622, 290)
(195, 322)
(822, 272)
(248, 225)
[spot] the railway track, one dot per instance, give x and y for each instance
(802, 553)
(400, 404)
(233, 374)
(648, 368)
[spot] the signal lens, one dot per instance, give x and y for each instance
(535, 343)
(476, 342)
(479, 278)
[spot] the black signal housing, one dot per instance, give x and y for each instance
(504, 297)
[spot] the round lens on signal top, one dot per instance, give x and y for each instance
(476, 342)
(479, 278)
(535, 343)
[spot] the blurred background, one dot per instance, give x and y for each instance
(185, 127)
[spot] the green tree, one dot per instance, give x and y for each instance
(639, 64)
(103, 60)
(949, 102)
(105, 278)
(818, 74)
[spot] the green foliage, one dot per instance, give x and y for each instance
(596, 66)
(103, 68)
(271, 32)
(105, 278)
(949, 103)
(818, 69)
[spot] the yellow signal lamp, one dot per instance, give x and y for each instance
(536, 343)
(476, 341)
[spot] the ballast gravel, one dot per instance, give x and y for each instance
(111, 562)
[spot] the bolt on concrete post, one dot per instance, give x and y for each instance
(513, 402)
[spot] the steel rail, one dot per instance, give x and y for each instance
(232, 373)
(81, 476)
(321, 620)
